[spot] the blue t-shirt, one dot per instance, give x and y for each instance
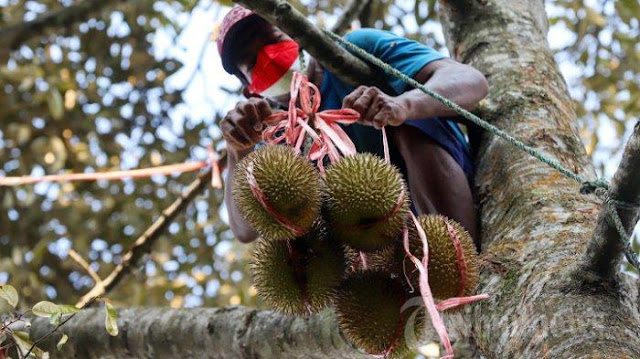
(409, 57)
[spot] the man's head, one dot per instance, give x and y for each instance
(243, 36)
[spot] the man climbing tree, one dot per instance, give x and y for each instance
(431, 151)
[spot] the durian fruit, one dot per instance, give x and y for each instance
(290, 184)
(299, 276)
(381, 260)
(367, 202)
(444, 269)
(377, 315)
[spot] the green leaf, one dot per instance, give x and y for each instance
(62, 341)
(8, 297)
(23, 342)
(110, 317)
(55, 318)
(68, 309)
(10, 294)
(45, 309)
(56, 104)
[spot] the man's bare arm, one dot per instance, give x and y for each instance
(458, 82)
(241, 229)
(461, 83)
(241, 128)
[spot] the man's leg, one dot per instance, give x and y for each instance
(436, 182)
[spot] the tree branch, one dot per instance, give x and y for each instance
(143, 244)
(229, 333)
(351, 12)
(331, 56)
(604, 251)
(533, 220)
(84, 265)
(12, 36)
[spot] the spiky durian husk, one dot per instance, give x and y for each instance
(291, 184)
(443, 269)
(376, 314)
(381, 260)
(298, 276)
(361, 191)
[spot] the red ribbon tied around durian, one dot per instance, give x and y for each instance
(293, 126)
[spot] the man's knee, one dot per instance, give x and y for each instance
(436, 181)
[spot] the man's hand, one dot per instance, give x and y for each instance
(376, 108)
(242, 126)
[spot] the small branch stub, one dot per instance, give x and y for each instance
(603, 254)
(353, 9)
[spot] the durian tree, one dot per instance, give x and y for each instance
(550, 263)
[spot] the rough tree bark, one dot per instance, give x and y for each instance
(536, 227)
(625, 191)
(216, 333)
(535, 223)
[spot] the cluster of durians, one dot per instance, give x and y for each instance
(360, 205)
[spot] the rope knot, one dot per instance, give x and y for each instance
(589, 187)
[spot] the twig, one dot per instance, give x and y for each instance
(143, 244)
(351, 12)
(78, 258)
(35, 343)
(12, 321)
(604, 251)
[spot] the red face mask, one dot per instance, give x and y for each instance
(271, 75)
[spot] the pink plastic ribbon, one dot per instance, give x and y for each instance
(293, 126)
(363, 259)
(425, 289)
(216, 179)
(268, 206)
(462, 263)
(422, 266)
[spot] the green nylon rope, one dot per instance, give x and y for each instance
(586, 186)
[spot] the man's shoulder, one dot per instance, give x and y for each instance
(375, 40)
(369, 37)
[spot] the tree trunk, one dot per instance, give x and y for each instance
(535, 223)
(216, 333)
(535, 230)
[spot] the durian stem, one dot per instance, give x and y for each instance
(308, 142)
(307, 146)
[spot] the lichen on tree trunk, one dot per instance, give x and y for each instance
(535, 223)
(216, 333)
